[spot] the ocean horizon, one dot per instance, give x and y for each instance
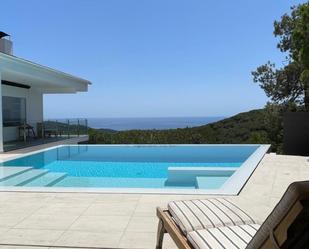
(159, 123)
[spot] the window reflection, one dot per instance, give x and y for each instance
(13, 111)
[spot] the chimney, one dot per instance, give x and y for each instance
(6, 45)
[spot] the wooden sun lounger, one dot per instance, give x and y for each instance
(286, 227)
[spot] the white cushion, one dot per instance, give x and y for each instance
(191, 215)
(228, 237)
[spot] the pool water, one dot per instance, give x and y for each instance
(96, 166)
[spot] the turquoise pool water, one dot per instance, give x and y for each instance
(123, 166)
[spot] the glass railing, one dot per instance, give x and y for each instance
(63, 127)
(18, 134)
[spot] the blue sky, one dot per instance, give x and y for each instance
(149, 58)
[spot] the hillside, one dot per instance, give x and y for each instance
(247, 127)
(241, 128)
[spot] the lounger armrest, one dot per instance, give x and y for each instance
(172, 229)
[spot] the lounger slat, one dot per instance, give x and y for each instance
(232, 237)
(192, 215)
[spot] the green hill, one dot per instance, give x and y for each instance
(247, 127)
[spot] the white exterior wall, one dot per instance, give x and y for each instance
(34, 108)
(1, 126)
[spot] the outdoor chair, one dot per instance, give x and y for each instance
(25, 131)
(48, 129)
(217, 223)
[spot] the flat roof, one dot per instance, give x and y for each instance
(49, 80)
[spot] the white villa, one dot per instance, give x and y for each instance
(23, 84)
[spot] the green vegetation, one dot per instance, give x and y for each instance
(248, 127)
(289, 85)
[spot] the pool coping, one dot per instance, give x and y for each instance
(232, 186)
(238, 180)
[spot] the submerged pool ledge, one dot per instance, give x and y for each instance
(188, 175)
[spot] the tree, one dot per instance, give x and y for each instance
(289, 84)
(258, 137)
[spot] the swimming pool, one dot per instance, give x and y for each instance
(134, 168)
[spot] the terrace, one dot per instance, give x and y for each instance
(33, 133)
(94, 220)
(23, 85)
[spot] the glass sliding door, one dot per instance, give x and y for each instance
(13, 111)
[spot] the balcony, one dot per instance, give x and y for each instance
(19, 135)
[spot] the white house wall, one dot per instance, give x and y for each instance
(34, 108)
(1, 126)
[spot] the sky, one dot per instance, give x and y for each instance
(159, 58)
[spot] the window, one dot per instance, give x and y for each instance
(13, 111)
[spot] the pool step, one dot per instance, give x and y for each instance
(23, 178)
(110, 182)
(46, 180)
(7, 172)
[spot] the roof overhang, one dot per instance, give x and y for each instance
(45, 79)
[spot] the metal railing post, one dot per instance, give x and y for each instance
(68, 128)
(77, 127)
(24, 131)
(57, 129)
(86, 124)
(42, 131)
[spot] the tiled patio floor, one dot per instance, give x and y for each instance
(124, 220)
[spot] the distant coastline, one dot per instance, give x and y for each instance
(160, 123)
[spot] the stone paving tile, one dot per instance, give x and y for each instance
(3, 229)
(140, 224)
(168, 243)
(74, 198)
(19, 208)
(30, 236)
(98, 239)
(20, 247)
(111, 208)
(146, 209)
(45, 221)
(138, 240)
(63, 208)
(21, 197)
(103, 198)
(10, 220)
(104, 224)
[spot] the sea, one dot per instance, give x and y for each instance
(159, 123)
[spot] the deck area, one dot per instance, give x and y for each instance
(39, 146)
(53, 220)
(17, 145)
